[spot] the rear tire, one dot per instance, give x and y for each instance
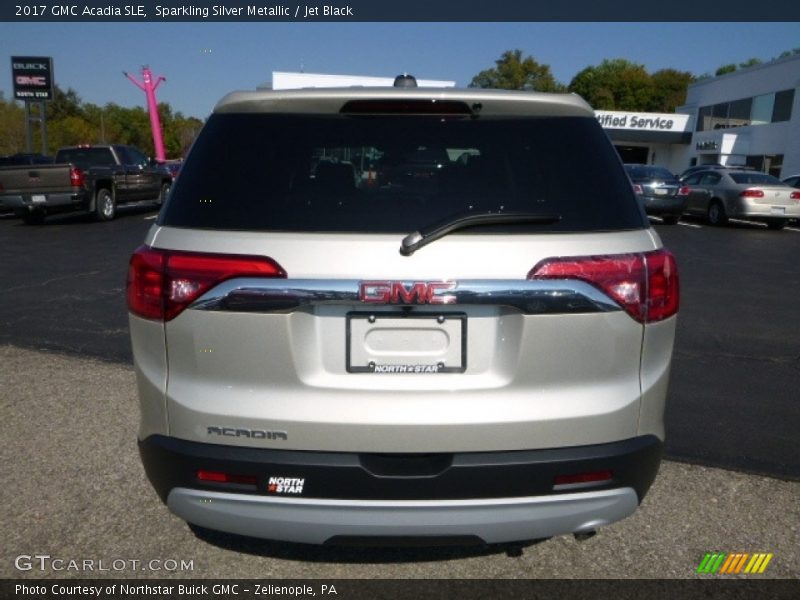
(105, 208)
(670, 219)
(33, 217)
(717, 214)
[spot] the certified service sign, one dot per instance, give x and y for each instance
(33, 77)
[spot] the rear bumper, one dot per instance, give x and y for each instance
(315, 521)
(664, 206)
(59, 201)
(495, 496)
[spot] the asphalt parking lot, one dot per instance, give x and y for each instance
(75, 488)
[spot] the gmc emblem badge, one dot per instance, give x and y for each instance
(399, 292)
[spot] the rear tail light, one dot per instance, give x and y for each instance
(162, 283)
(638, 189)
(76, 177)
(645, 285)
(683, 191)
(753, 193)
(220, 477)
(585, 478)
(793, 195)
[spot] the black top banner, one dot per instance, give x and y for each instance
(400, 10)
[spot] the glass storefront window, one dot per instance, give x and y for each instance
(739, 112)
(782, 111)
(762, 109)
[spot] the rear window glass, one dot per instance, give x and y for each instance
(86, 157)
(638, 173)
(395, 174)
(756, 178)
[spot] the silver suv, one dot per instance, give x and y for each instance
(370, 314)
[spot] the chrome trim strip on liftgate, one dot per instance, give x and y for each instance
(289, 295)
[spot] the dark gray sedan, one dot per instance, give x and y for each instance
(659, 191)
(722, 194)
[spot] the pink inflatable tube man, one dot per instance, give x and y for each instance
(149, 89)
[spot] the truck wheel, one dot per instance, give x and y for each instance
(105, 208)
(165, 188)
(33, 217)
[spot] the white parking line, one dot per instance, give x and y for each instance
(747, 222)
(792, 229)
(151, 217)
(692, 225)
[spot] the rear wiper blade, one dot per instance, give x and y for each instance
(416, 240)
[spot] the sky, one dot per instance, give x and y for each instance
(204, 61)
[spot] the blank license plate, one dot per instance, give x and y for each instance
(778, 210)
(38, 199)
(393, 343)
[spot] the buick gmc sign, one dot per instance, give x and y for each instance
(33, 78)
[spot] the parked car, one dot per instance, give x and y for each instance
(792, 180)
(698, 168)
(84, 178)
(480, 356)
(724, 193)
(25, 158)
(660, 192)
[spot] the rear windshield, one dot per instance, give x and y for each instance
(756, 178)
(396, 174)
(640, 173)
(86, 157)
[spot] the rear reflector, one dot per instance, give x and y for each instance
(752, 194)
(645, 285)
(219, 477)
(589, 477)
(162, 283)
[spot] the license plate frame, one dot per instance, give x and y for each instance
(459, 318)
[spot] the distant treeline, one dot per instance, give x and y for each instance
(71, 121)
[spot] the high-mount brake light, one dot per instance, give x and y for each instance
(161, 283)
(644, 284)
(406, 107)
(752, 193)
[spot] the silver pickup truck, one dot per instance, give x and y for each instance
(83, 178)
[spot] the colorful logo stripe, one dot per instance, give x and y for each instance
(733, 563)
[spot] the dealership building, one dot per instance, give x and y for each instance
(748, 117)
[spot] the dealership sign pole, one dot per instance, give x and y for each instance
(33, 83)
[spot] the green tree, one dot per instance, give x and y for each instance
(513, 72)
(750, 62)
(669, 89)
(616, 84)
(12, 127)
(725, 69)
